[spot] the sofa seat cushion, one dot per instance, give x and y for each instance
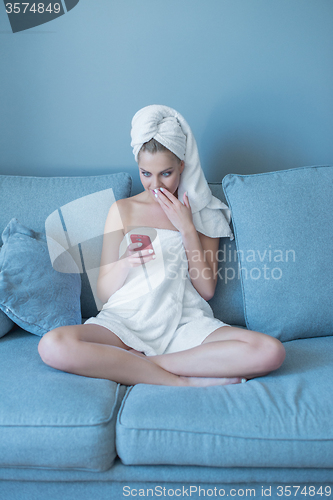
(50, 418)
(279, 420)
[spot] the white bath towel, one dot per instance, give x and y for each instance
(158, 310)
(210, 215)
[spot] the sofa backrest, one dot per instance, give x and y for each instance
(282, 222)
(32, 200)
(227, 303)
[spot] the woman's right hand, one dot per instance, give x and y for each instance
(134, 257)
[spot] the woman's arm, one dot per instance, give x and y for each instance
(114, 270)
(201, 254)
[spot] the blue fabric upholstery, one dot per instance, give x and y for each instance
(32, 199)
(284, 235)
(166, 488)
(166, 474)
(227, 303)
(6, 324)
(269, 421)
(50, 418)
(32, 293)
(57, 430)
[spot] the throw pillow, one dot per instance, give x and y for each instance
(284, 237)
(32, 293)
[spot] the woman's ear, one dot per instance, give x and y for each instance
(182, 166)
(185, 200)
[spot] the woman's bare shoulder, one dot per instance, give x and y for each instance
(116, 216)
(126, 207)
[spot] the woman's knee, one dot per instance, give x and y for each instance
(273, 354)
(53, 348)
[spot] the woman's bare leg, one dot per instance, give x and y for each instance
(227, 352)
(94, 351)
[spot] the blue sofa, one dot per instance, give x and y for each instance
(64, 436)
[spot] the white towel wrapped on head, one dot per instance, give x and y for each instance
(210, 216)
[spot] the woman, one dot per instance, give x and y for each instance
(156, 326)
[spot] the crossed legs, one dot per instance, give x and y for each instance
(228, 352)
(225, 356)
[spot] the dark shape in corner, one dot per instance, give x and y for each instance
(23, 17)
(70, 4)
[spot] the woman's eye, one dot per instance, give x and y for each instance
(165, 174)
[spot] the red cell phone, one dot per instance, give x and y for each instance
(144, 239)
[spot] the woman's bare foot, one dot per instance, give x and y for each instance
(198, 381)
(208, 381)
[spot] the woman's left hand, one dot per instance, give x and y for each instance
(179, 214)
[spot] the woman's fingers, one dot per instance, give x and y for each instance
(134, 246)
(168, 198)
(169, 195)
(163, 200)
(141, 253)
(140, 257)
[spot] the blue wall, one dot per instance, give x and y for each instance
(254, 79)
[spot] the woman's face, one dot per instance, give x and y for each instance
(158, 170)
